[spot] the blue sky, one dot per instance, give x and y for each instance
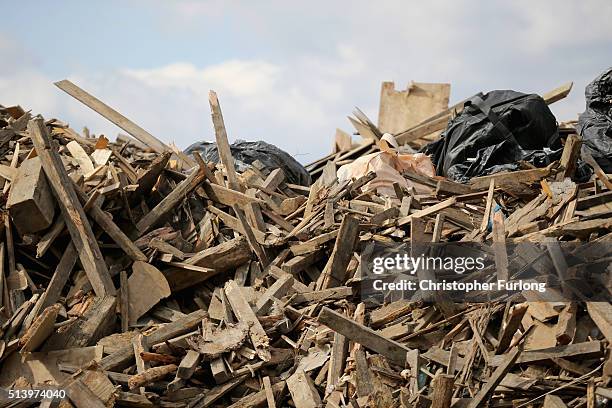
(288, 72)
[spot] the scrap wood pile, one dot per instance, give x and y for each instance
(135, 275)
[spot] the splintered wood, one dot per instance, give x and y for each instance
(134, 275)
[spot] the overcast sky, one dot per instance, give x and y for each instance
(288, 72)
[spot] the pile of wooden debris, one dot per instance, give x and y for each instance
(133, 275)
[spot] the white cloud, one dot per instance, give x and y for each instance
(549, 24)
(240, 78)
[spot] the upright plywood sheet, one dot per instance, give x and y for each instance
(401, 109)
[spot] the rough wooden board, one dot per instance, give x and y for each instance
(188, 364)
(427, 211)
(76, 220)
(276, 291)
(361, 334)
(278, 273)
(270, 399)
(390, 312)
(223, 146)
(7, 172)
(30, 202)
(40, 329)
(363, 129)
(510, 327)
(521, 176)
(243, 312)
(259, 237)
(488, 206)
(341, 292)
(99, 384)
(601, 313)
(569, 157)
(601, 175)
(140, 346)
(337, 362)
(585, 349)
(558, 93)
(540, 336)
(303, 391)
(49, 237)
(146, 287)
(565, 329)
(97, 322)
(259, 398)
(124, 305)
(112, 115)
(497, 376)
(401, 109)
(442, 390)
(335, 270)
(81, 396)
(219, 371)
(250, 236)
(227, 196)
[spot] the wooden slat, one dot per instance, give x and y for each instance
(364, 335)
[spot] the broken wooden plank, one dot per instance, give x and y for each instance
(76, 221)
(188, 364)
(112, 115)
(335, 269)
(153, 217)
(97, 322)
(243, 312)
(569, 157)
(558, 93)
(361, 334)
(40, 329)
(81, 396)
(497, 376)
(442, 393)
(585, 349)
(223, 147)
(124, 301)
(303, 391)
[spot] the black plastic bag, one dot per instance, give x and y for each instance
(595, 124)
(493, 133)
(245, 153)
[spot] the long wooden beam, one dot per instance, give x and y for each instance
(112, 115)
(78, 225)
